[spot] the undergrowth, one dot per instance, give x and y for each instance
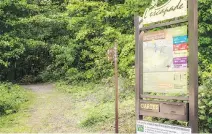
(14, 103)
(11, 98)
(98, 109)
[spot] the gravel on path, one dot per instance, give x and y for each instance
(52, 111)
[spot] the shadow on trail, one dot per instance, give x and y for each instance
(39, 87)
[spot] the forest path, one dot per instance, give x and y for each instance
(52, 111)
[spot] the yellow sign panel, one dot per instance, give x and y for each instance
(182, 53)
(165, 82)
(150, 106)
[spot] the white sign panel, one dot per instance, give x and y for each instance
(144, 127)
(169, 10)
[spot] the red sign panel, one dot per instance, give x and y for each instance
(178, 47)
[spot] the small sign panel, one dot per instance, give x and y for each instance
(144, 127)
(111, 54)
(168, 110)
(154, 107)
(171, 9)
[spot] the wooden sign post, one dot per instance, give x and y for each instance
(167, 63)
(113, 56)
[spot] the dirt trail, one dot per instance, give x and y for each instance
(52, 111)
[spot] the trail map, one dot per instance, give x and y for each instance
(165, 55)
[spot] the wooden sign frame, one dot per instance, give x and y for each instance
(192, 63)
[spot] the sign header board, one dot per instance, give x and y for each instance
(144, 127)
(171, 9)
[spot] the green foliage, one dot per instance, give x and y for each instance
(97, 101)
(28, 30)
(205, 32)
(92, 30)
(98, 108)
(205, 107)
(11, 98)
(98, 114)
(61, 39)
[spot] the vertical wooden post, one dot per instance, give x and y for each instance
(116, 86)
(193, 64)
(138, 67)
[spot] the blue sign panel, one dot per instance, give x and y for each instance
(180, 39)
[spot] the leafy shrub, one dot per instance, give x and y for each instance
(98, 114)
(27, 79)
(205, 107)
(11, 97)
(98, 104)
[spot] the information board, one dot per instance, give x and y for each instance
(165, 63)
(144, 127)
(165, 60)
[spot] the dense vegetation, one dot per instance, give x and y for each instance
(65, 40)
(49, 40)
(60, 39)
(14, 102)
(11, 98)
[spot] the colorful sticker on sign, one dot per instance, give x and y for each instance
(140, 128)
(178, 47)
(180, 39)
(179, 67)
(180, 60)
(182, 53)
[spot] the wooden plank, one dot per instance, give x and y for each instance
(165, 102)
(163, 115)
(176, 109)
(165, 97)
(193, 64)
(169, 110)
(164, 24)
(138, 68)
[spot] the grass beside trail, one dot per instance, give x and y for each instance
(16, 102)
(95, 107)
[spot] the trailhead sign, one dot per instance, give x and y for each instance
(167, 63)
